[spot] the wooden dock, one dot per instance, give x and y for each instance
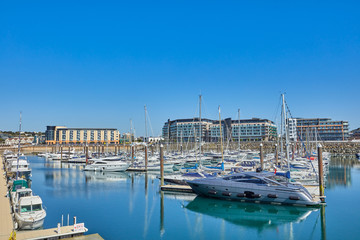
(314, 191)
(176, 188)
(132, 169)
(6, 225)
(88, 237)
(65, 232)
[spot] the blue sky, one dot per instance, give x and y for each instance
(97, 63)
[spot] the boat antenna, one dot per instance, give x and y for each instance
(221, 142)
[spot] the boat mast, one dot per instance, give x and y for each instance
(221, 142)
(131, 143)
(200, 129)
(281, 134)
(286, 133)
(239, 129)
(18, 158)
(145, 139)
(181, 145)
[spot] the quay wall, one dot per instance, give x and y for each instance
(332, 147)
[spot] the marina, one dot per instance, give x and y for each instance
(136, 198)
(179, 120)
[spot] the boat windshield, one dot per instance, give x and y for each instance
(279, 179)
(245, 179)
(24, 194)
(36, 207)
(26, 208)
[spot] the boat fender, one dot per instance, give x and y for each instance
(240, 195)
(213, 192)
(228, 194)
(257, 195)
(294, 198)
(272, 195)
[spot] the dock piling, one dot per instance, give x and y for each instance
(321, 174)
(261, 156)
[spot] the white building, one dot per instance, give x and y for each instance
(292, 129)
(15, 140)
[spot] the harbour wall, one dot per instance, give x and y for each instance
(269, 147)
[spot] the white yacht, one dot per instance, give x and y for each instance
(21, 166)
(29, 213)
(107, 165)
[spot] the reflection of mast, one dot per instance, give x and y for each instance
(291, 234)
(146, 205)
(223, 230)
(323, 223)
(162, 229)
(132, 194)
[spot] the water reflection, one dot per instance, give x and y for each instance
(258, 216)
(340, 171)
(106, 176)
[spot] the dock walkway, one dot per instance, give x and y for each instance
(6, 225)
(65, 232)
(177, 188)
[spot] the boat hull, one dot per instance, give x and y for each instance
(251, 194)
(29, 224)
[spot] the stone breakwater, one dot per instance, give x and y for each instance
(269, 147)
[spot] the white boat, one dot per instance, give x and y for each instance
(29, 213)
(107, 165)
(21, 167)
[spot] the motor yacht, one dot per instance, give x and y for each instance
(29, 213)
(107, 165)
(253, 186)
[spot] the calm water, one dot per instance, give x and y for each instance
(130, 206)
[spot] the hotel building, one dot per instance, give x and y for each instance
(324, 128)
(254, 129)
(65, 135)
